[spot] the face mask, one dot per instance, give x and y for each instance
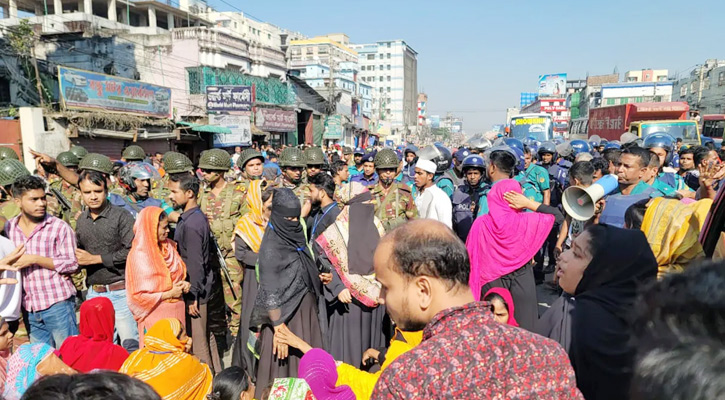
(386, 182)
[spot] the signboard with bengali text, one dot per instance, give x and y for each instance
(228, 98)
(86, 90)
(274, 120)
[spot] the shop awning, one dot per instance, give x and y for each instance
(204, 128)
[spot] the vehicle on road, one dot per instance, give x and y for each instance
(539, 127)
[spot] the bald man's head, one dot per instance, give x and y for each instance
(427, 247)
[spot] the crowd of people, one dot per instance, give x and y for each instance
(351, 273)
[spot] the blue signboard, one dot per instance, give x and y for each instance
(85, 90)
(228, 98)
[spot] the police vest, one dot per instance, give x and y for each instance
(617, 206)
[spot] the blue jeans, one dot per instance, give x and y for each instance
(54, 324)
(126, 333)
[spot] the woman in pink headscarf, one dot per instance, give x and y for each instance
(502, 244)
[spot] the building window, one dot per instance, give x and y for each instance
(388, 78)
(638, 100)
(388, 56)
(610, 102)
(371, 56)
(388, 89)
(381, 90)
(388, 44)
(371, 68)
(381, 79)
(381, 67)
(382, 55)
(308, 50)
(721, 78)
(683, 90)
(388, 67)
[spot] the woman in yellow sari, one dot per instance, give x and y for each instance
(672, 229)
(247, 239)
(166, 365)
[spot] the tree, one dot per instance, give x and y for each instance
(22, 39)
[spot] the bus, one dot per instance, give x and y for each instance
(539, 127)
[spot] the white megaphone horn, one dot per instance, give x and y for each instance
(580, 203)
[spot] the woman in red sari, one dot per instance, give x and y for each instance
(94, 348)
(155, 273)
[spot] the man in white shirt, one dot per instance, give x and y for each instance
(10, 292)
(431, 201)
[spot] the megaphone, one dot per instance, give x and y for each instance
(580, 203)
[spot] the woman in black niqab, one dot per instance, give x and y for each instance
(601, 351)
(289, 289)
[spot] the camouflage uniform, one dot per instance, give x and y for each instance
(396, 208)
(72, 194)
(159, 189)
(115, 188)
(223, 212)
(301, 190)
(9, 210)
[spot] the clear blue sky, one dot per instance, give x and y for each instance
(476, 56)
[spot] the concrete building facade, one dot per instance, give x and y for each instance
(704, 88)
(646, 75)
(391, 68)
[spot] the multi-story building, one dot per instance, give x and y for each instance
(422, 109)
(391, 68)
(330, 50)
(704, 88)
(591, 95)
(646, 75)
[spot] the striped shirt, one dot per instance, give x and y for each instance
(54, 239)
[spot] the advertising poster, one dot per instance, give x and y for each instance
(240, 126)
(228, 98)
(85, 90)
(552, 85)
(333, 127)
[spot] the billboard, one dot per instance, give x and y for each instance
(552, 85)
(333, 127)
(85, 90)
(434, 121)
(228, 98)
(274, 120)
(527, 98)
(239, 125)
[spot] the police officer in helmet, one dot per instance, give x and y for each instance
(467, 198)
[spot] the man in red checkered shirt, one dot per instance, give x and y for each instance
(465, 354)
(48, 262)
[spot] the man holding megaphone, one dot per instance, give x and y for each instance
(632, 168)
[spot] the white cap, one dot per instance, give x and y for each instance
(427, 166)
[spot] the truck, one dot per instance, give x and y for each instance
(713, 126)
(532, 126)
(643, 119)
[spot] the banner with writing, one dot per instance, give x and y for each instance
(228, 98)
(85, 90)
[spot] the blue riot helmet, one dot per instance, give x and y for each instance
(515, 143)
(532, 144)
(661, 140)
(603, 142)
(516, 152)
(411, 148)
(461, 154)
(473, 161)
(580, 146)
(612, 145)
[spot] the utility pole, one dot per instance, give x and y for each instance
(700, 87)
